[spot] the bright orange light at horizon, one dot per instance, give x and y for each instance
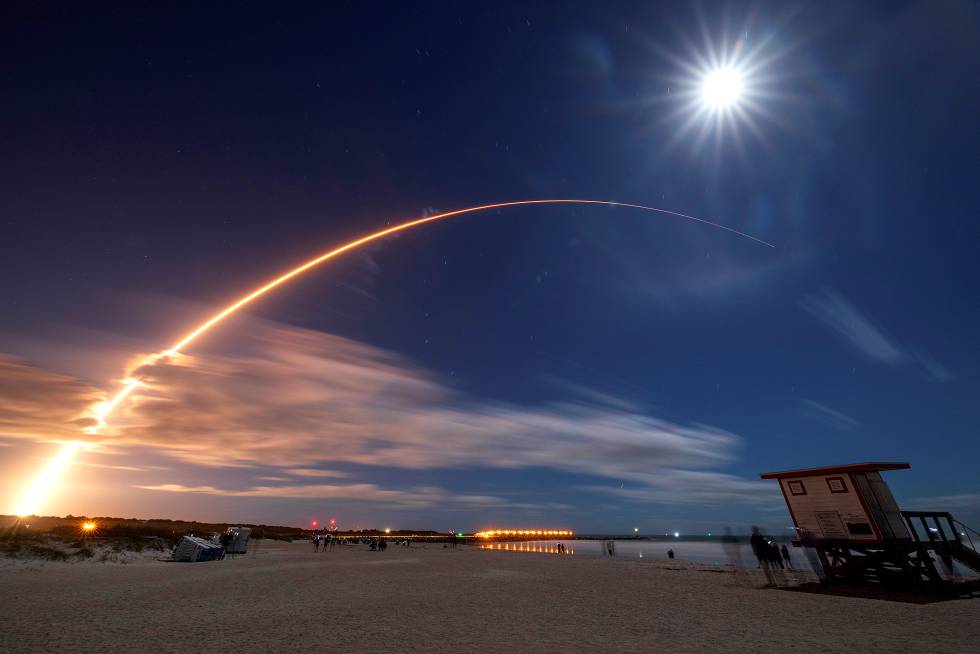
(88, 526)
(493, 533)
(44, 483)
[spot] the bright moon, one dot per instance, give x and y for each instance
(722, 88)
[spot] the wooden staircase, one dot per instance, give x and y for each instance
(949, 538)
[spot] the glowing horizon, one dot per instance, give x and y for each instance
(40, 489)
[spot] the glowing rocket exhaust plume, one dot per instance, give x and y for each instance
(43, 484)
(45, 481)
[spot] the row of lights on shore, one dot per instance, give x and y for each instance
(521, 532)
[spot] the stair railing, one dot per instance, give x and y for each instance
(966, 531)
(932, 526)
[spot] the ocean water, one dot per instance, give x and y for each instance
(699, 551)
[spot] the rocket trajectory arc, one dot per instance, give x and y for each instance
(105, 409)
(39, 489)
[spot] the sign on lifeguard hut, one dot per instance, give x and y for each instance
(843, 503)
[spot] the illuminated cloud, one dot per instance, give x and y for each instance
(301, 397)
(315, 472)
(295, 404)
(413, 498)
(89, 464)
(42, 405)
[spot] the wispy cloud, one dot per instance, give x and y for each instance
(935, 371)
(299, 399)
(105, 466)
(967, 501)
(42, 405)
(595, 397)
(411, 498)
(694, 487)
(858, 331)
(828, 416)
(844, 319)
(315, 472)
(304, 397)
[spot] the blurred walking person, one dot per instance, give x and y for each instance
(809, 544)
(733, 550)
(775, 558)
(760, 547)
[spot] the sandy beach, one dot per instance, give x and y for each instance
(285, 597)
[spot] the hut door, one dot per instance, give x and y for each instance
(874, 506)
(889, 507)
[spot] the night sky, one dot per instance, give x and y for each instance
(590, 368)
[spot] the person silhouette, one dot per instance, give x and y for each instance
(760, 547)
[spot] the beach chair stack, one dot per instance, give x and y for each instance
(193, 549)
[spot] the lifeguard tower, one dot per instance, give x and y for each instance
(849, 515)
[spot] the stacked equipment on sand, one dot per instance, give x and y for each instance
(193, 549)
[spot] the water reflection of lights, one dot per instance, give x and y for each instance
(525, 547)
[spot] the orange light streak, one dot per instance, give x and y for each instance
(536, 549)
(38, 491)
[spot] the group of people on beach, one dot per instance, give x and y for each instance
(770, 554)
(327, 540)
(768, 551)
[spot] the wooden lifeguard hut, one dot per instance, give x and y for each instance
(849, 515)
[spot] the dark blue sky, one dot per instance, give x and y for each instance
(159, 161)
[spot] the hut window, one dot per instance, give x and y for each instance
(836, 484)
(796, 488)
(859, 529)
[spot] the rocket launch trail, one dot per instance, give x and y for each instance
(36, 493)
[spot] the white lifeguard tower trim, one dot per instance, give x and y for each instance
(848, 514)
(843, 503)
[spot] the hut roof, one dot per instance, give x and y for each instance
(851, 467)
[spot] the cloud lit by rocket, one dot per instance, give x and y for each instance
(35, 495)
(562, 358)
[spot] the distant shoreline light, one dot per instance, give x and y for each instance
(494, 533)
